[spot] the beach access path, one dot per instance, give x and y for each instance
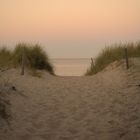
(101, 107)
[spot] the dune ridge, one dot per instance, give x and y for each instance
(101, 107)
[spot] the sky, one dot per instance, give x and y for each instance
(69, 28)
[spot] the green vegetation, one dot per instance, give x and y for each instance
(111, 54)
(35, 57)
(5, 57)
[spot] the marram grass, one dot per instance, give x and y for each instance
(35, 57)
(113, 53)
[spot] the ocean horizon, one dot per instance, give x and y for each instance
(70, 66)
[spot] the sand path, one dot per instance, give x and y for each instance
(101, 107)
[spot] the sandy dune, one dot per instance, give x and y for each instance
(101, 107)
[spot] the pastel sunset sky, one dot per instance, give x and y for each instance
(69, 28)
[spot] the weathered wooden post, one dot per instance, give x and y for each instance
(92, 63)
(126, 58)
(23, 61)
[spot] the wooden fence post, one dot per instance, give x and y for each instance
(126, 58)
(92, 63)
(23, 61)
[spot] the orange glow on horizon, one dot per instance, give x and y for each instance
(58, 20)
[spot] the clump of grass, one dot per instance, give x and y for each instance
(35, 57)
(111, 54)
(5, 57)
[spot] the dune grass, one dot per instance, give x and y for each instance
(113, 53)
(35, 57)
(5, 57)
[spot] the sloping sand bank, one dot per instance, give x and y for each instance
(101, 107)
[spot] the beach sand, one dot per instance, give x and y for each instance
(101, 107)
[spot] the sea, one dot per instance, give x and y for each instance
(71, 67)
